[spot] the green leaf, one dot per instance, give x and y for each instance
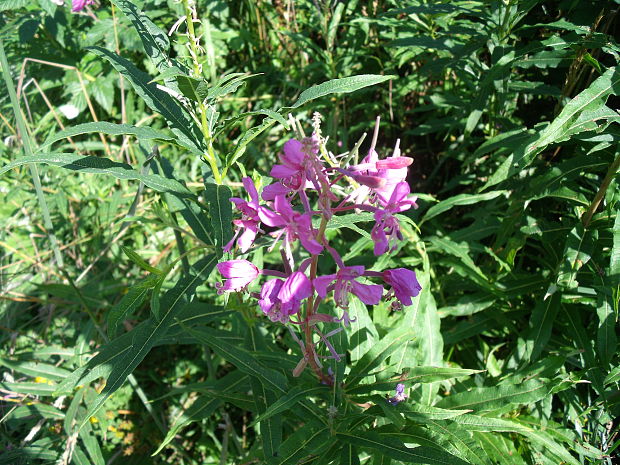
(245, 362)
(190, 210)
(553, 446)
(363, 330)
(460, 250)
(614, 258)
(35, 389)
(220, 211)
(240, 358)
(138, 260)
(6, 5)
(34, 369)
(457, 440)
(340, 86)
(270, 428)
(307, 440)
(461, 199)
(413, 375)
(245, 139)
(575, 255)
(541, 324)
(143, 133)
(144, 336)
(396, 449)
(179, 121)
(155, 41)
(589, 100)
(135, 296)
(422, 413)
(202, 408)
(606, 338)
(36, 409)
(96, 165)
(488, 424)
(377, 354)
(490, 398)
(349, 221)
(290, 400)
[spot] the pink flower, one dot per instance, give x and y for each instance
(386, 174)
(239, 273)
(272, 190)
(280, 299)
(404, 284)
(345, 282)
(294, 224)
(291, 171)
(387, 228)
(79, 5)
(250, 218)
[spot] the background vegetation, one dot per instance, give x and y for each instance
(509, 109)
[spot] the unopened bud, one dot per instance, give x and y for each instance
(394, 163)
(373, 182)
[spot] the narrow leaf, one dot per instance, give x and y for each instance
(340, 86)
(98, 165)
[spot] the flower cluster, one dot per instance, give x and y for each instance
(311, 178)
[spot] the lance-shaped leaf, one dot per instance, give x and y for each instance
(102, 127)
(377, 354)
(567, 122)
(220, 210)
(155, 41)
(105, 166)
(491, 398)
(340, 86)
(179, 121)
(394, 448)
(123, 359)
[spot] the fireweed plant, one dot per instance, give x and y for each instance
(312, 184)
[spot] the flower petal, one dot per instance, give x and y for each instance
(296, 287)
(322, 282)
(370, 294)
(277, 188)
(293, 153)
(282, 172)
(251, 188)
(269, 294)
(237, 269)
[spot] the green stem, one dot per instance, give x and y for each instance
(611, 172)
(202, 108)
(34, 173)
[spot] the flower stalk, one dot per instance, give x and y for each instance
(194, 51)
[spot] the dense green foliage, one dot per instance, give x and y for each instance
(114, 344)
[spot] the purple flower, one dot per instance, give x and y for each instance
(291, 171)
(272, 190)
(379, 176)
(294, 224)
(387, 228)
(250, 218)
(404, 284)
(345, 282)
(239, 273)
(280, 299)
(399, 396)
(79, 5)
